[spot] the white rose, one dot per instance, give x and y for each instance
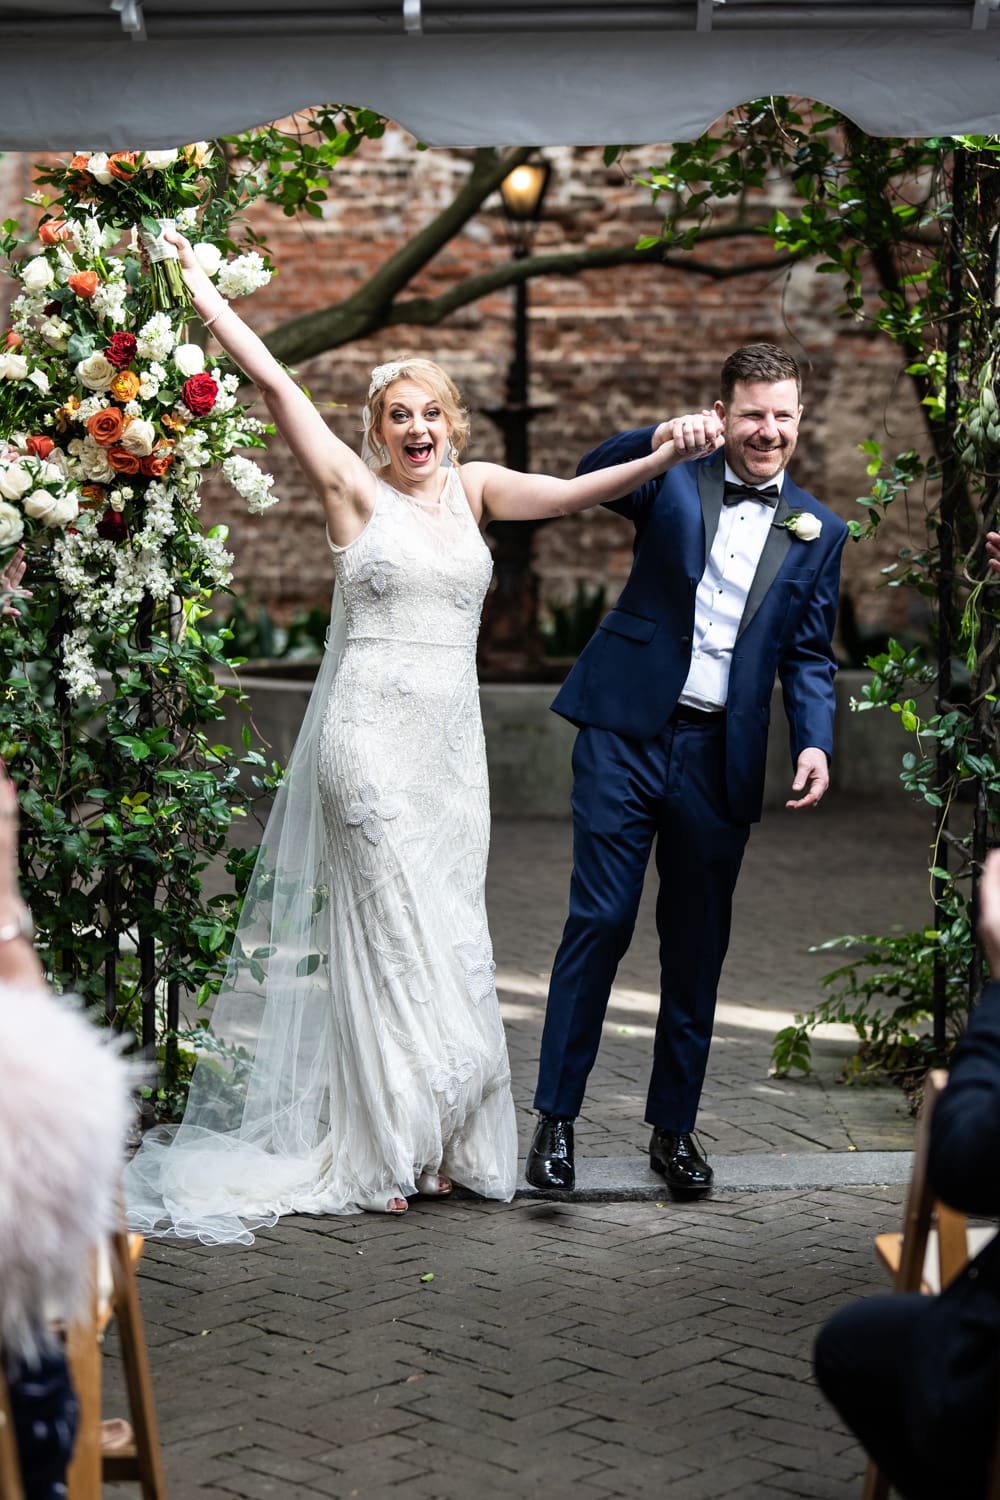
(51, 510)
(97, 166)
(37, 275)
(155, 161)
(139, 438)
(805, 526)
(39, 378)
(189, 359)
(208, 256)
(15, 482)
(96, 372)
(49, 473)
(13, 367)
(11, 525)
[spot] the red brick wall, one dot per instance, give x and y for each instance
(609, 349)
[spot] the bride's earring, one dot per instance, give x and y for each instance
(452, 452)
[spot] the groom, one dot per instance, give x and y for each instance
(734, 580)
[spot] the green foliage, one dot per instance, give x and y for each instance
(887, 995)
(570, 626)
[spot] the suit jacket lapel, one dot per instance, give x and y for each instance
(711, 477)
(779, 539)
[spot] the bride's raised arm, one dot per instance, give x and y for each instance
(506, 495)
(342, 480)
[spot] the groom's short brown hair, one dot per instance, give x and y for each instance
(757, 362)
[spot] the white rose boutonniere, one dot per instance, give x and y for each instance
(803, 525)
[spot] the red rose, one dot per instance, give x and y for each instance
(200, 394)
(41, 447)
(112, 526)
(121, 351)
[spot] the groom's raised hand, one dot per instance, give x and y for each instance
(812, 777)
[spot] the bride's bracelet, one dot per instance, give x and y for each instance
(207, 322)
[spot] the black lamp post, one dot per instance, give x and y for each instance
(523, 191)
(510, 642)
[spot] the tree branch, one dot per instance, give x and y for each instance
(365, 313)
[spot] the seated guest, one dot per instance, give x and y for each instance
(64, 1114)
(917, 1378)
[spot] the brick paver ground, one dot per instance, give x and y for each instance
(570, 1349)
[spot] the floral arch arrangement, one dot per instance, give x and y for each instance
(111, 413)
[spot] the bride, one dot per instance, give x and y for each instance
(356, 1056)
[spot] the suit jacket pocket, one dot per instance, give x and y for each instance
(634, 627)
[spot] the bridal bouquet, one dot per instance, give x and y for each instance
(110, 413)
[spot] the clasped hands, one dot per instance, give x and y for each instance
(694, 436)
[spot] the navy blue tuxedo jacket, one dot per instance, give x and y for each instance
(630, 675)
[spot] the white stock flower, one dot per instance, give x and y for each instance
(97, 166)
(11, 525)
(37, 274)
(109, 300)
(86, 235)
(155, 338)
(250, 482)
(804, 525)
(245, 274)
(15, 481)
(96, 372)
(55, 332)
(139, 438)
(51, 510)
(208, 256)
(189, 359)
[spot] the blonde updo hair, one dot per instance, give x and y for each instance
(431, 376)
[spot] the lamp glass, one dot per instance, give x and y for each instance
(522, 190)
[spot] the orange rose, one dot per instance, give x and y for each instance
(84, 284)
(94, 494)
(159, 461)
(40, 446)
(122, 461)
(125, 386)
(105, 426)
(78, 178)
(12, 340)
(121, 164)
(52, 231)
(197, 154)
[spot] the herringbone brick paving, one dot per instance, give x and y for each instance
(574, 1349)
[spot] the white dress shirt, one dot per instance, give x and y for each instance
(722, 595)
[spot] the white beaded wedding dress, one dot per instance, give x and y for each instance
(358, 1041)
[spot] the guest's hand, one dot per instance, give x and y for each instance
(989, 911)
(812, 777)
(10, 583)
(993, 550)
(693, 436)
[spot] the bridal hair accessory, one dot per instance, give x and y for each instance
(372, 451)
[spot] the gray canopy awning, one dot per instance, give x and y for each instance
(117, 74)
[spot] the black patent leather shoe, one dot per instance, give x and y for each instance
(676, 1157)
(550, 1155)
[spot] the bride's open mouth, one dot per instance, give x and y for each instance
(419, 453)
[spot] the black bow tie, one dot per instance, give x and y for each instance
(733, 493)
